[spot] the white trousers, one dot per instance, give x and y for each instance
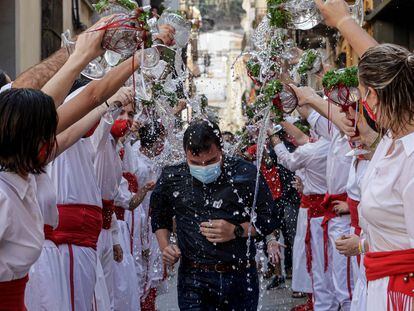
(323, 288)
(106, 257)
(342, 274)
(301, 280)
(47, 288)
(101, 300)
(80, 269)
(125, 278)
(359, 296)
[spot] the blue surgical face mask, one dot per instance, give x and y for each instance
(206, 174)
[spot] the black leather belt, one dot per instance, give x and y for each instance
(220, 267)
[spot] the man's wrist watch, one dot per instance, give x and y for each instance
(238, 231)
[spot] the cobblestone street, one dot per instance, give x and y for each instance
(270, 300)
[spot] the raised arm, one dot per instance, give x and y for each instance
(37, 76)
(88, 47)
(336, 14)
(300, 137)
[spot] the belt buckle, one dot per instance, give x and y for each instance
(217, 268)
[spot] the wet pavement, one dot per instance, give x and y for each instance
(270, 300)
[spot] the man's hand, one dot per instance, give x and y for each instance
(273, 251)
(298, 184)
(182, 104)
(341, 207)
(333, 11)
(140, 195)
(89, 43)
(305, 94)
(170, 255)
(123, 97)
(218, 230)
(348, 245)
(166, 34)
(118, 253)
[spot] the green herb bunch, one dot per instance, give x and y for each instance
(278, 16)
(103, 5)
(158, 91)
(347, 77)
(253, 67)
(307, 60)
(272, 89)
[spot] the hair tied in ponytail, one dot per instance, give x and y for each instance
(410, 60)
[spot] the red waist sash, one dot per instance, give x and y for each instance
(353, 210)
(314, 204)
(120, 213)
(399, 267)
(48, 230)
(79, 224)
(108, 209)
(12, 295)
(328, 204)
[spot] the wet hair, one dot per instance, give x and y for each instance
(3, 78)
(201, 135)
(389, 70)
(150, 132)
(28, 122)
(228, 133)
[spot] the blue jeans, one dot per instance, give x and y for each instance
(209, 290)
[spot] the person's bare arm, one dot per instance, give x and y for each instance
(96, 92)
(75, 132)
(88, 47)
(300, 137)
(307, 96)
(336, 14)
(37, 76)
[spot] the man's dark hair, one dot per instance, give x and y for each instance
(28, 121)
(228, 133)
(150, 132)
(201, 135)
(3, 78)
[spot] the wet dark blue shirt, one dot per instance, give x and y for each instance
(177, 194)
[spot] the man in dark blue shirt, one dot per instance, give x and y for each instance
(211, 197)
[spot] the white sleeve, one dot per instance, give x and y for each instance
(321, 125)
(100, 136)
(5, 220)
(292, 161)
(408, 199)
(6, 87)
(123, 196)
(115, 230)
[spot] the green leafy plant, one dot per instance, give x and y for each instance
(347, 77)
(307, 61)
(103, 5)
(158, 91)
(272, 89)
(253, 68)
(278, 16)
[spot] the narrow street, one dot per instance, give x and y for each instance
(270, 300)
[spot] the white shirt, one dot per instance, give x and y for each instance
(73, 174)
(338, 164)
(107, 164)
(46, 196)
(21, 226)
(356, 173)
(311, 159)
(123, 196)
(387, 201)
